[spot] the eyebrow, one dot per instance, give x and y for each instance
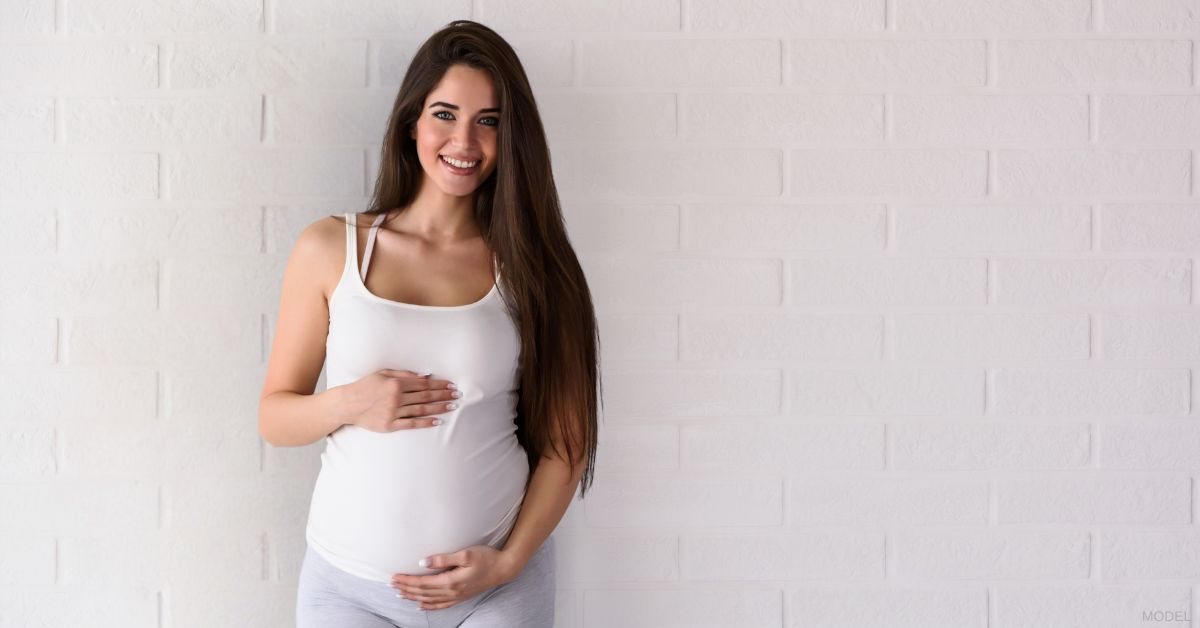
(455, 107)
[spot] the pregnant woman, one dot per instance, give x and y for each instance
(457, 427)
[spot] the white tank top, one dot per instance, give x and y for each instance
(384, 501)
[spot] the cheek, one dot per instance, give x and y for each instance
(428, 139)
(425, 141)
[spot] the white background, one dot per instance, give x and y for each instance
(897, 297)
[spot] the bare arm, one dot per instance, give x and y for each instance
(289, 413)
(551, 488)
(301, 419)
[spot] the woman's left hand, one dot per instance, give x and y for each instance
(472, 571)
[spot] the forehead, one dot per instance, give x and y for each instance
(466, 87)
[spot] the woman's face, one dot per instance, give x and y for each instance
(458, 120)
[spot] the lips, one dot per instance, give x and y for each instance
(456, 170)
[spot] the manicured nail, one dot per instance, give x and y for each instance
(423, 562)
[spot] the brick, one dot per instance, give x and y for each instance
(738, 227)
(885, 64)
(847, 16)
(985, 554)
(270, 65)
(904, 172)
(166, 17)
(94, 176)
(788, 556)
(675, 500)
(1083, 392)
(157, 121)
(27, 453)
(991, 16)
(591, 169)
(1080, 606)
(594, 556)
(1150, 227)
(783, 447)
(970, 336)
(26, 119)
(1093, 281)
(1158, 444)
(316, 17)
(783, 117)
(225, 175)
(557, 17)
(691, 392)
(1078, 498)
(1025, 173)
(681, 608)
(1004, 444)
(887, 501)
(680, 62)
(896, 606)
(891, 391)
(974, 229)
(1084, 63)
(79, 68)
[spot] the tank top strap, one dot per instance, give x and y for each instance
(370, 245)
(351, 239)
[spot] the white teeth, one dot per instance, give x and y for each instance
(459, 164)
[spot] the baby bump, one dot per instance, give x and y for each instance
(381, 518)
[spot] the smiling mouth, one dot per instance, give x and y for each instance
(460, 170)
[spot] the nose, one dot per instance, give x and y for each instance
(464, 133)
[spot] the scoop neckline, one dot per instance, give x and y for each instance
(352, 220)
(363, 288)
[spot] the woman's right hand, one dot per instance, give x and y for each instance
(389, 400)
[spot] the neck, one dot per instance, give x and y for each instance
(439, 217)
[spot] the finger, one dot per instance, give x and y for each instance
(402, 373)
(435, 595)
(427, 584)
(426, 588)
(424, 411)
(409, 424)
(414, 384)
(430, 596)
(423, 581)
(439, 407)
(460, 558)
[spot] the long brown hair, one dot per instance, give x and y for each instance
(518, 213)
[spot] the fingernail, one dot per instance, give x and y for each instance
(423, 562)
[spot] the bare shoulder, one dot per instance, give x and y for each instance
(320, 252)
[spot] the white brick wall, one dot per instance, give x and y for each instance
(898, 301)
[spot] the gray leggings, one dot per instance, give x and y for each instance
(328, 597)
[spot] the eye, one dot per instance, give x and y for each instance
(495, 120)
